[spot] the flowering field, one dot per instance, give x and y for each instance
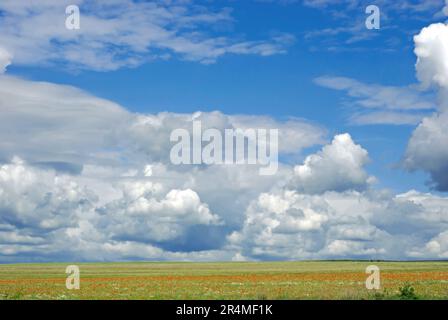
(264, 280)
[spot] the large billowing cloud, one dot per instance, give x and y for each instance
(41, 200)
(288, 225)
(377, 104)
(329, 210)
(144, 213)
(65, 124)
(294, 134)
(339, 166)
(43, 122)
(42, 209)
(151, 213)
(427, 148)
(431, 48)
(81, 177)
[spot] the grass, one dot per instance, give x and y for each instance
(231, 280)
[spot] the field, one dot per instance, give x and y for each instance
(266, 280)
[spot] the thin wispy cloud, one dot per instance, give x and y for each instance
(379, 104)
(347, 31)
(124, 33)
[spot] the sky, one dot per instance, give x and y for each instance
(86, 116)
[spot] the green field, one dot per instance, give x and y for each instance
(264, 280)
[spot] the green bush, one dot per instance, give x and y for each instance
(407, 292)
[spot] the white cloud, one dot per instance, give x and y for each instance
(338, 167)
(434, 206)
(46, 122)
(96, 179)
(436, 247)
(386, 117)
(431, 48)
(43, 212)
(428, 149)
(428, 145)
(378, 104)
(294, 134)
(373, 96)
(5, 60)
(65, 125)
(39, 199)
(123, 33)
(288, 225)
(347, 247)
(144, 214)
(111, 213)
(328, 210)
(105, 214)
(349, 33)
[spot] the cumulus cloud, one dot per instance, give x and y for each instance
(152, 210)
(45, 210)
(410, 105)
(339, 166)
(123, 33)
(428, 150)
(40, 200)
(294, 134)
(436, 247)
(144, 214)
(36, 206)
(427, 147)
(329, 210)
(83, 178)
(376, 225)
(43, 122)
(67, 128)
(431, 49)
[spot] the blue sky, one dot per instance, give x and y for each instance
(310, 62)
(281, 85)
